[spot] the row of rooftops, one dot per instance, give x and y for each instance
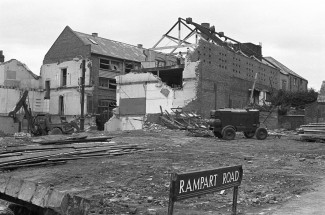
(107, 47)
(103, 46)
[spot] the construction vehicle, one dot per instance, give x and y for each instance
(226, 122)
(41, 124)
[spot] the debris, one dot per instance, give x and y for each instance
(312, 132)
(40, 155)
(182, 120)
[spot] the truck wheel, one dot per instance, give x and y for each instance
(55, 131)
(249, 134)
(217, 134)
(261, 134)
(228, 133)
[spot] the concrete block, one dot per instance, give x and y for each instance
(41, 195)
(13, 187)
(27, 191)
(58, 201)
(3, 183)
(78, 205)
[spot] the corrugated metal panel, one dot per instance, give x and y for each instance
(107, 74)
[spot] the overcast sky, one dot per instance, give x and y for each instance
(291, 31)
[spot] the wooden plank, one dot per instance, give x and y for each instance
(54, 147)
(36, 155)
(89, 139)
(45, 163)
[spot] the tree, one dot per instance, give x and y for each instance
(285, 100)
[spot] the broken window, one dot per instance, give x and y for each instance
(112, 83)
(107, 82)
(104, 64)
(128, 67)
(105, 108)
(63, 77)
(115, 65)
(110, 65)
(103, 82)
(172, 77)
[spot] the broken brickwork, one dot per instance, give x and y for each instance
(225, 78)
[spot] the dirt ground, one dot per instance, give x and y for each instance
(275, 171)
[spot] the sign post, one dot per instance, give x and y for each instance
(193, 184)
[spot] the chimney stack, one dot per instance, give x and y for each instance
(2, 57)
(140, 46)
(94, 34)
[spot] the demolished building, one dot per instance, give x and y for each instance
(216, 74)
(105, 59)
(15, 78)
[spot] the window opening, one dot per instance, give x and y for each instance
(61, 105)
(63, 77)
(47, 89)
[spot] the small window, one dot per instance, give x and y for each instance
(115, 65)
(112, 83)
(103, 82)
(104, 64)
(93, 41)
(128, 67)
(47, 89)
(63, 77)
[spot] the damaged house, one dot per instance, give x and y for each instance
(216, 74)
(105, 59)
(15, 78)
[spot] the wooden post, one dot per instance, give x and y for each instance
(234, 201)
(82, 117)
(171, 194)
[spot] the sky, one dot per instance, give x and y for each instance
(291, 31)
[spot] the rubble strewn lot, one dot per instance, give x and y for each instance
(275, 170)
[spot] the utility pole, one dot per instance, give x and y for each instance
(82, 102)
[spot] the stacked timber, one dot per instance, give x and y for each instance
(59, 152)
(313, 131)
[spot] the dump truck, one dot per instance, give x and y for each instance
(226, 122)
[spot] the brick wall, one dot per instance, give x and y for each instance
(226, 77)
(66, 47)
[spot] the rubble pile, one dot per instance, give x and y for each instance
(190, 121)
(153, 127)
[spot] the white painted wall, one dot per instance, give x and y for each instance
(147, 85)
(70, 92)
(71, 100)
(52, 72)
(23, 75)
(9, 98)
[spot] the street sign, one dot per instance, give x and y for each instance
(192, 184)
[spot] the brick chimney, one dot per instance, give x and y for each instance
(94, 34)
(2, 57)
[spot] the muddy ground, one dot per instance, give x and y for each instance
(275, 171)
